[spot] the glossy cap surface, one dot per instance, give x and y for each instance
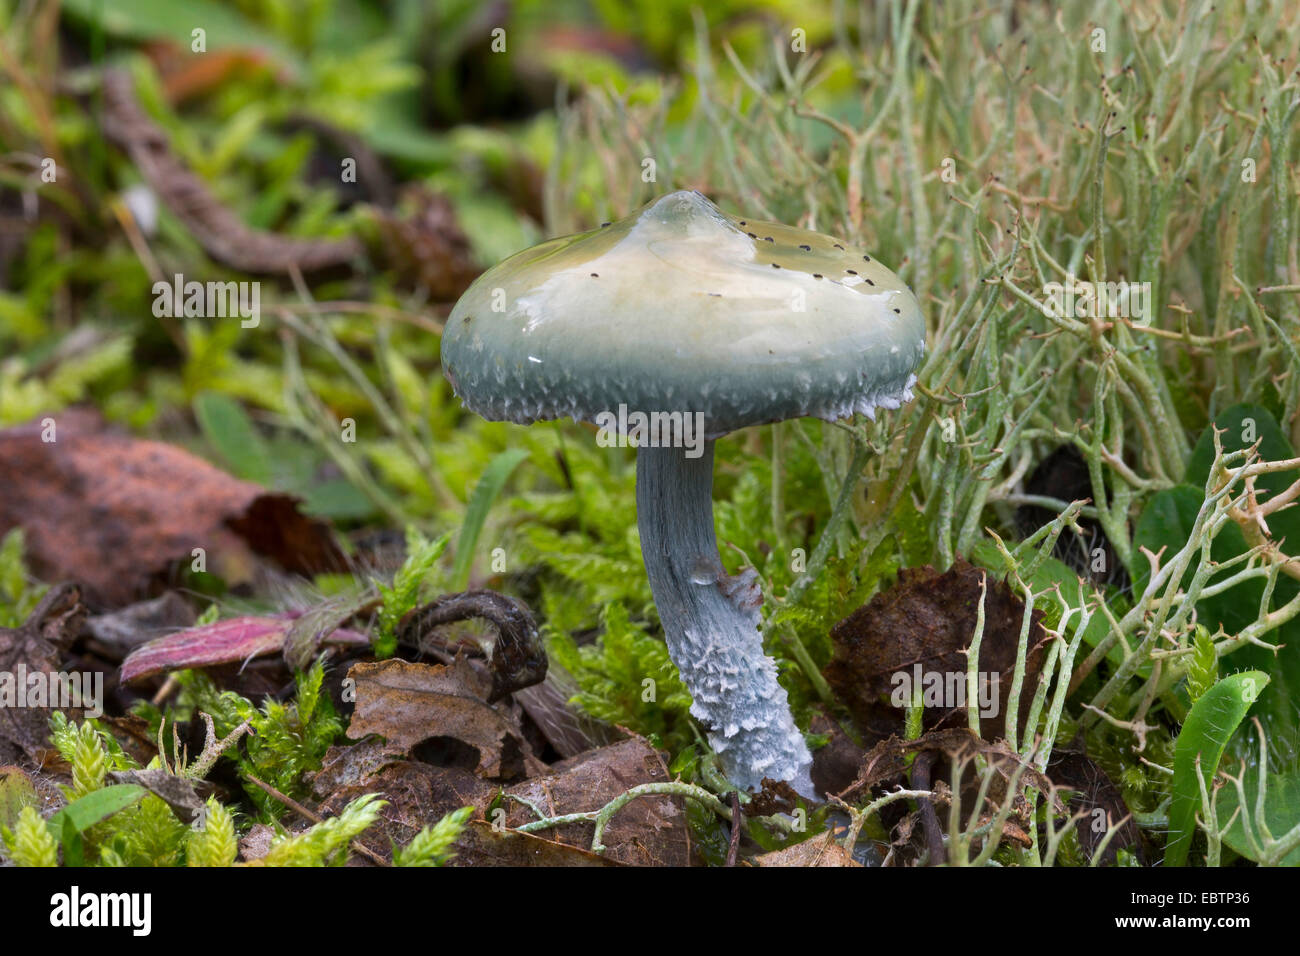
(682, 308)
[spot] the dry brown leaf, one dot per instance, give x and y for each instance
(821, 850)
(926, 621)
(439, 711)
(426, 247)
(480, 844)
(35, 649)
(113, 512)
(648, 831)
(416, 794)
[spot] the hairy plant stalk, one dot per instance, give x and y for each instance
(710, 622)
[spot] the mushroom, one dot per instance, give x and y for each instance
(680, 308)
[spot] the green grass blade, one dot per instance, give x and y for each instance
(485, 493)
(1210, 724)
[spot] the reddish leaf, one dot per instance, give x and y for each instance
(230, 641)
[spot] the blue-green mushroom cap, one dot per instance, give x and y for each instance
(683, 308)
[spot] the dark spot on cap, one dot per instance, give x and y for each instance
(469, 319)
(899, 311)
(603, 225)
(838, 246)
(775, 266)
(595, 275)
(806, 248)
(869, 282)
(817, 275)
(751, 235)
(866, 258)
(850, 272)
(743, 223)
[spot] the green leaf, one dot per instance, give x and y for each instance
(83, 813)
(339, 499)
(1210, 724)
(1281, 811)
(223, 24)
(485, 493)
(227, 426)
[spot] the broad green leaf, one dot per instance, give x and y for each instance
(480, 502)
(1281, 810)
(227, 426)
(1210, 724)
(83, 813)
(223, 24)
(339, 499)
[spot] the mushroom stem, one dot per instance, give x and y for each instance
(710, 621)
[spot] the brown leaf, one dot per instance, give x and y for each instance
(417, 794)
(112, 512)
(439, 708)
(821, 850)
(177, 792)
(426, 247)
(480, 844)
(921, 627)
(35, 648)
(648, 831)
